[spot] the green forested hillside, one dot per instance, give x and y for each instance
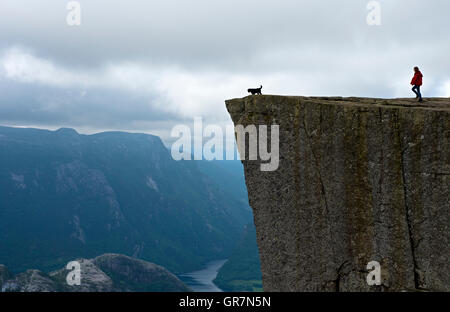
(242, 271)
(64, 195)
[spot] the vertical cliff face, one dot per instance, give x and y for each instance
(359, 180)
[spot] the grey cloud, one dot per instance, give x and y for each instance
(29, 104)
(213, 33)
(218, 49)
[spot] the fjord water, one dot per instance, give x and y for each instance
(202, 280)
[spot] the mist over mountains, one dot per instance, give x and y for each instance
(64, 195)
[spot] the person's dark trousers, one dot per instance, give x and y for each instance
(416, 90)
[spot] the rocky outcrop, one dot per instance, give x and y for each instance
(93, 279)
(106, 273)
(359, 180)
(138, 275)
(30, 281)
(5, 275)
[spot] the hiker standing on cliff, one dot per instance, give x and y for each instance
(417, 82)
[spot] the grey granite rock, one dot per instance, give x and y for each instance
(132, 274)
(359, 180)
(93, 279)
(5, 275)
(106, 273)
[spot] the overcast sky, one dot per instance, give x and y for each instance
(144, 66)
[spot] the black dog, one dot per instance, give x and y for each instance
(255, 91)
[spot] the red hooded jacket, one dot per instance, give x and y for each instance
(417, 79)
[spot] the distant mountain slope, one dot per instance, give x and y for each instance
(230, 175)
(242, 271)
(5, 274)
(109, 272)
(64, 195)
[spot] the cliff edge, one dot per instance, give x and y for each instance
(359, 180)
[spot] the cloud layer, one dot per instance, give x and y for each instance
(145, 66)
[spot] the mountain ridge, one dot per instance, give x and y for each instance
(68, 195)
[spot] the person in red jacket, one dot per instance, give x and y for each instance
(417, 82)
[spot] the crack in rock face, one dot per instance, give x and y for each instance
(359, 180)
